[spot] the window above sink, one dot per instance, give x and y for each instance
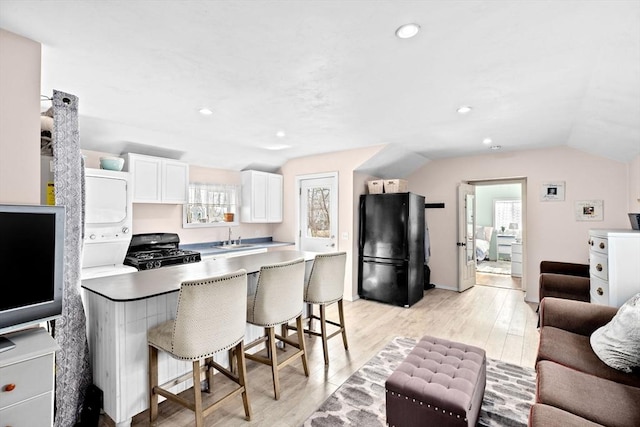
(208, 203)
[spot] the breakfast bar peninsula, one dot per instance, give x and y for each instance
(120, 309)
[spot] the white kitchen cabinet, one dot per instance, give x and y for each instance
(27, 374)
(261, 197)
(613, 266)
(157, 180)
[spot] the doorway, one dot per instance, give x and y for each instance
(500, 227)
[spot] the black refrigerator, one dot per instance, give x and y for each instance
(391, 248)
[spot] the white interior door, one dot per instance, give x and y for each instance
(318, 207)
(466, 241)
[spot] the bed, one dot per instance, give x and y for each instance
(483, 242)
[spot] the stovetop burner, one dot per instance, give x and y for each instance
(155, 250)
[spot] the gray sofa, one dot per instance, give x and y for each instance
(574, 387)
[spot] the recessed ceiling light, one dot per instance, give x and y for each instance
(496, 147)
(407, 31)
(205, 111)
(464, 109)
(487, 141)
(281, 134)
(278, 147)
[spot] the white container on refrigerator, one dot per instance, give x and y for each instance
(108, 218)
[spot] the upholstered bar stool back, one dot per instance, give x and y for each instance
(324, 287)
(211, 317)
(276, 301)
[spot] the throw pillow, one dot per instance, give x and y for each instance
(618, 342)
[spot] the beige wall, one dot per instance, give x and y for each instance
(349, 190)
(552, 231)
(19, 119)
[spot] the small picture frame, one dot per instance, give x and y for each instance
(552, 191)
(589, 210)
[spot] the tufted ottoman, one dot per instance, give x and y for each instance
(440, 383)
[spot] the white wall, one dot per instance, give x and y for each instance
(552, 231)
(634, 185)
(19, 119)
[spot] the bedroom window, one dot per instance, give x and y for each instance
(507, 212)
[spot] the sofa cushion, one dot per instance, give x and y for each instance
(618, 342)
(595, 399)
(574, 351)
(544, 416)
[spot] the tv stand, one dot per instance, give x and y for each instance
(27, 373)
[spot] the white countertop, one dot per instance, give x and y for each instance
(148, 283)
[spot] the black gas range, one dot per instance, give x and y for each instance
(155, 250)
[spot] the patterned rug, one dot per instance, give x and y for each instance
(360, 401)
(494, 267)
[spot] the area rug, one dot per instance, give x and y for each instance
(494, 267)
(360, 401)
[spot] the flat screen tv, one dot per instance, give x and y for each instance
(31, 266)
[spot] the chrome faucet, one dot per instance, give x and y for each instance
(239, 240)
(229, 242)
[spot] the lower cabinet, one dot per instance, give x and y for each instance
(27, 376)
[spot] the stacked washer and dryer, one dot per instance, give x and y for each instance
(108, 223)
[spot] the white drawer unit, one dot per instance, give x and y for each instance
(614, 265)
(503, 244)
(516, 259)
(27, 379)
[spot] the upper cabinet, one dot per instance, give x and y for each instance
(157, 180)
(261, 197)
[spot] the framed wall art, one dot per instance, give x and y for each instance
(552, 191)
(589, 210)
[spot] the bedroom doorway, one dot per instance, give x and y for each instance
(500, 228)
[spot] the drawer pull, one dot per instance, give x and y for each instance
(599, 267)
(590, 242)
(601, 245)
(600, 291)
(9, 387)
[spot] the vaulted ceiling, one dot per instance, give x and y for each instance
(332, 75)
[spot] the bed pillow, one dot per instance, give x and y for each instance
(618, 342)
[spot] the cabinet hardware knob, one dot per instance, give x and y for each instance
(600, 291)
(590, 242)
(601, 245)
(9, 387)
(599, 267)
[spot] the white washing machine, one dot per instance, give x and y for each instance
(108, 223)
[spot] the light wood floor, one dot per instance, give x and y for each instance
(499, 280)
(496, 319)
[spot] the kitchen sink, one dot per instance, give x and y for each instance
(233, 246)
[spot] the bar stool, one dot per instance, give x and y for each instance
(325, 287)
(276, 301)
(210, 318)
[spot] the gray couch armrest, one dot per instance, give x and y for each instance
(574, 316)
